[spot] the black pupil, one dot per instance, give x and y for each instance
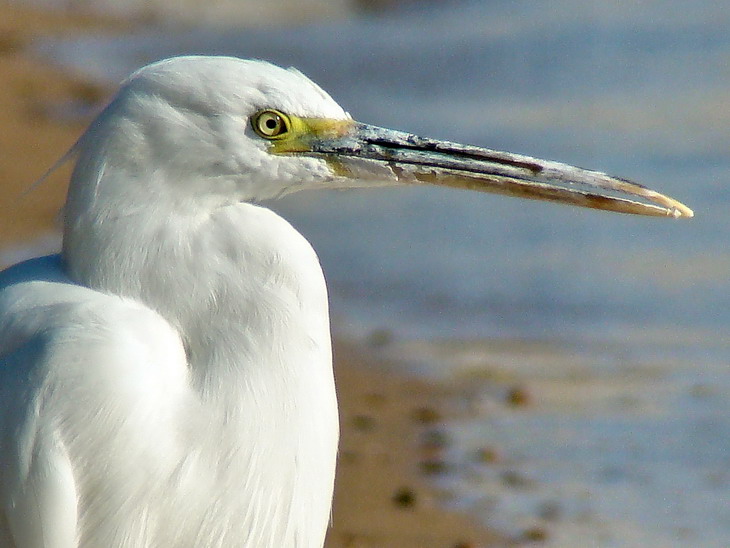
(272, 123)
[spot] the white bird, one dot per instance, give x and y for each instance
(166, 381)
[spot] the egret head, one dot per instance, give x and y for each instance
(184, 127)
(221, 129)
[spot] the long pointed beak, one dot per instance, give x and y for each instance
(371, 153)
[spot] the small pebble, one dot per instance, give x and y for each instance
(375, 399)
(512, 478)
(535, 534)
(426, 415)
(519, 396)
(364, 423)
(489, 455)
(433, 467)
(550, 511)
(434, 439)
(701, 391)
(379, 338)
(404, 498)
(9, 43)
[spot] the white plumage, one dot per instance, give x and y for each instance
(166, 381)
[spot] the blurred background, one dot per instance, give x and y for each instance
(607, 333)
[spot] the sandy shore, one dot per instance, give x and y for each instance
(390, 433)
(32, 137)
(383, 498)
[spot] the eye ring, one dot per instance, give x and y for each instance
(270, 124)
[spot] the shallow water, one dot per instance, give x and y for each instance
(629, 431)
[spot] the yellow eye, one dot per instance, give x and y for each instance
(270, 124)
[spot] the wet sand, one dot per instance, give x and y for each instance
(383, 496)
(392, 442)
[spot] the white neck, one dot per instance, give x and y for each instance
(246, 293)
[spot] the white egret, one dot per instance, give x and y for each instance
(166, 381)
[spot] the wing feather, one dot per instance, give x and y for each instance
(60, 344)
